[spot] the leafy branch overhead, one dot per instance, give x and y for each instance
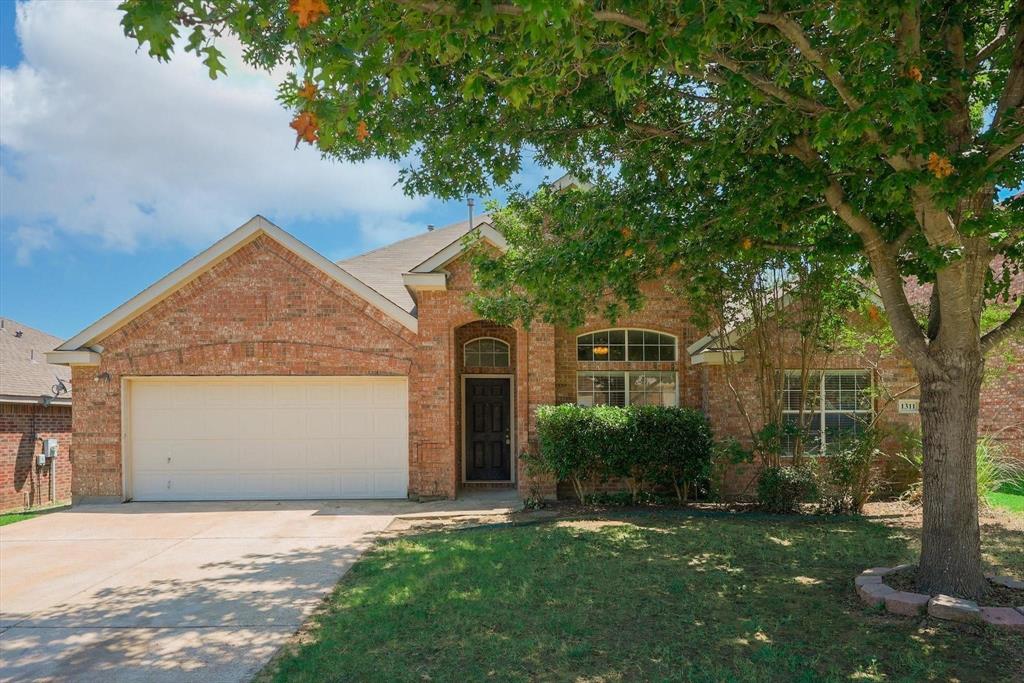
(874, 134)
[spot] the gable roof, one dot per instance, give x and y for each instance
(25, 375)
(382, 268)
(253, 228)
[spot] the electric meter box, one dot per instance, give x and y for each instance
(49, 451)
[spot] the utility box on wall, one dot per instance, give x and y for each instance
(50, 449)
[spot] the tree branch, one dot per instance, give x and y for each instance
(655, 131)
(1002, 35)
(766, 86)
(896, 246)
(1013, 91)
(792, 30)
(510, 10)
(1014, 322)
(1004, 151)
(1014, 237)
(908, 35)
(883, 264)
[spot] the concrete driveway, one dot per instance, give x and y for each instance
(174, 591)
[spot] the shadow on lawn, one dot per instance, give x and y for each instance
(636, 596)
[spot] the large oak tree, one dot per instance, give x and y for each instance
(882, 130)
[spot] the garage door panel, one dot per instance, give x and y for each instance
(289, 395)
(155, 424)
(326, 484)
(257, 423)
(389, 453)
(289, 423)
(387, 393)
(390, 484)
(387, 422)
(233, 438)
(323, 423)
(323, 395)
(356, 422)
(357, 484)
(324, 454)
(255, 395)
(220, 424)
(355, 394)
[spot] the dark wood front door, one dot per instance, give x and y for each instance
(488, 429)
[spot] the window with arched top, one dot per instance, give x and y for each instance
(629, 385)
(625, 345)
(486, 352)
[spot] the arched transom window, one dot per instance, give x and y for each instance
(486, 352)
(625, 345)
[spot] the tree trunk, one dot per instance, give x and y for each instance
(950, 540)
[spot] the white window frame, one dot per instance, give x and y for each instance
(508, 352)
(627, 380)
(820, 411)
(627, 330)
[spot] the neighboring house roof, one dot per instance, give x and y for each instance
(25, 376)
(382, 268)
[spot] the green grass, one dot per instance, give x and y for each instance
(645, 596)
(12, 517)
(1010, 497)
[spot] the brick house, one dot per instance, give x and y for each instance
(35, 404)
(260, 369)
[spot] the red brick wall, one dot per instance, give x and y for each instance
(1002, 398)
(265, 311)
(446, 322)
(261, 311)
(23, 484)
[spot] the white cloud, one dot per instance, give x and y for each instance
(28, 239)
(103, 142)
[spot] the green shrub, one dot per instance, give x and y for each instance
(671, 446)
(645, 445)
(578, 444)
(782, 488)
(994, 470)
(846, 475)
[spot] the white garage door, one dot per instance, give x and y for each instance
(268, 438)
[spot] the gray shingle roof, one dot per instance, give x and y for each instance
(24, 372)
(382, 268)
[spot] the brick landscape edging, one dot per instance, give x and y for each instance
(873, 591)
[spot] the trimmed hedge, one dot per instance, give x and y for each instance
(645, 445)
(782, 488)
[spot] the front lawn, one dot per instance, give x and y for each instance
(1008, 498)
(641, 596)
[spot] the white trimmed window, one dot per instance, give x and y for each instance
(837, 403)
(642, 387)
(625, 345)
(486, 352)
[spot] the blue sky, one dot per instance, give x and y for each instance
(115, 169)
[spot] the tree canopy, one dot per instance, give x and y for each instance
(707, 126)
(879, 132)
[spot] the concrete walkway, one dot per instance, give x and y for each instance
(178, 591)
